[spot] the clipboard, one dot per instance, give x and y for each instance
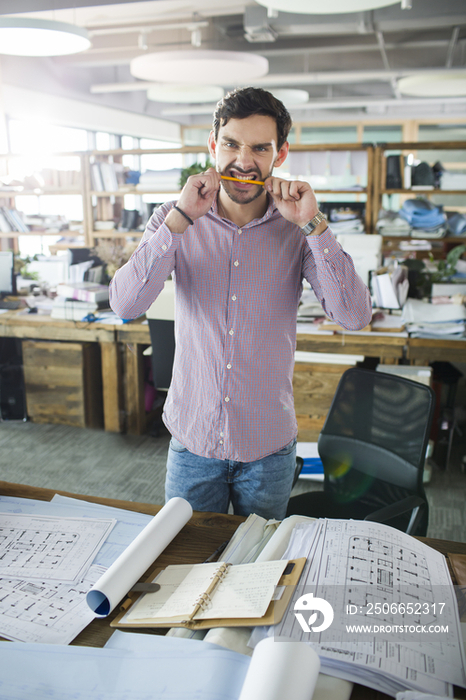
(273, 615)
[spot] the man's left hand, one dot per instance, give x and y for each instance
(294, 199)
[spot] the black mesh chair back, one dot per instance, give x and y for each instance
(373, 447)
(162, 336)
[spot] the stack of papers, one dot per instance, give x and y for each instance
(370, 592)
(426, 320)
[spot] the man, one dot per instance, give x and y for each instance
(238, 252)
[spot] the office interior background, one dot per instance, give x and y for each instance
(374, 72)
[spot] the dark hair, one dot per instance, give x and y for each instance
(245, 102)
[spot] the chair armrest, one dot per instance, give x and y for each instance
(410, 503)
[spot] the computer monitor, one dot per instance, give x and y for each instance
(7, 273)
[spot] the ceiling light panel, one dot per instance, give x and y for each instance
(316, 7)
(434, 85)
(21, 36)
(199, 67)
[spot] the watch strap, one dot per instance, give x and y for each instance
(313, 223)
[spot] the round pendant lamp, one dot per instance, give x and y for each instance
(434, 85)
(330, 7)
(185, 94)
(41, 37)
(200, 67)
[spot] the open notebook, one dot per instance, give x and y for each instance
(215, 595)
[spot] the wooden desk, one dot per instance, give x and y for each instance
(42, 327)
(122, 365)
(421, 351)
(387, 347)
(198, 539)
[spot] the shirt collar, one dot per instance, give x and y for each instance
(270, 211)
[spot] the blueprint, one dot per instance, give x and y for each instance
(41, 611)
(159, 668)
(49, 548)
(374, 571)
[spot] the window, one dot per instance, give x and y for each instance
(382, 133)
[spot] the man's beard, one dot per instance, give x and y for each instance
(240, 197)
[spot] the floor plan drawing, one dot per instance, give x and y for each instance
(49, 548)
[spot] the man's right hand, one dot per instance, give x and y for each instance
(195, 200)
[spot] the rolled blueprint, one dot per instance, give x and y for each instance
(125, 571)
(281, 669)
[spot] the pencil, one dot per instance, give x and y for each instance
(236, 179)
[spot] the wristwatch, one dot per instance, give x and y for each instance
(313, 223)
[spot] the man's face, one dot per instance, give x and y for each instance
(247, 149)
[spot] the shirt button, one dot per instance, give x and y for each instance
(144, 280)
(240, 231)
(221, 433)
(231, 331)
(164, 247)
(325, 250)
(221, 442)
(228, 366)
(236, 263)
(343, 286)
(233, 297)
(227, 398)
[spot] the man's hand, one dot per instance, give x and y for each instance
(295, 200)
(195, 200)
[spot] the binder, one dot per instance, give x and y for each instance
(198, 616)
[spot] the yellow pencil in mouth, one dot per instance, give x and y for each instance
(237, 179)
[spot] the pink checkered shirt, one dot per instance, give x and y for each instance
(237, 295)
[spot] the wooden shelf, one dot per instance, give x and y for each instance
(122, 193)
(426, 190)
(114, 233)
(44, 192)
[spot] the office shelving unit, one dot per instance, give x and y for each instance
(112, 200)
(379, 187)
(72, 183)
(354, 193)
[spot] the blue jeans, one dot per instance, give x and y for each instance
(262, 487)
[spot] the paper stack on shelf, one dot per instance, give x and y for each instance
(426, 320)
(163, 180)
(84, 291)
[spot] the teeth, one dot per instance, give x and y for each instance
(244, 177)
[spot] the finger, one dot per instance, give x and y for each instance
(206, 183)
(296, 189)
(289, 192)
(277, 190)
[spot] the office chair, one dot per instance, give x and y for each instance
(162, 338)
(373, 446)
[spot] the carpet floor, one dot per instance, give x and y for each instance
(132, 468)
